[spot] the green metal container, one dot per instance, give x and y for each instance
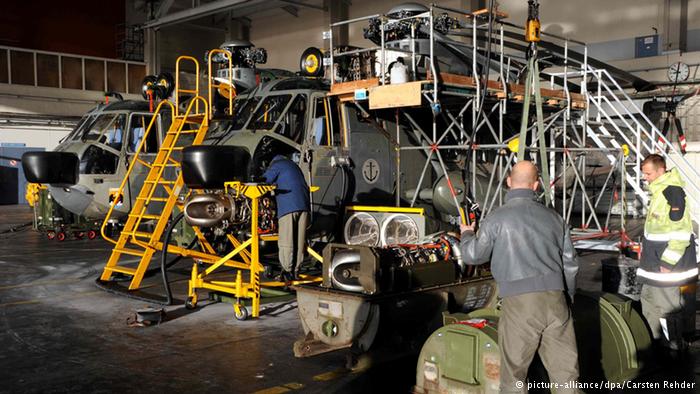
(613, 341)
(54, 220)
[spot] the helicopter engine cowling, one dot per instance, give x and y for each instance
(210, 210)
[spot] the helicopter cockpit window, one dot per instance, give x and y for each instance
(269, 111)
(107, 129)
(319, 127)
(78, 131)
(294, 120)
(96, 160)
(243, 112)
(222, 127)
(137, 129)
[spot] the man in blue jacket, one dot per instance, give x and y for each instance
(534, 263)
(292, 195)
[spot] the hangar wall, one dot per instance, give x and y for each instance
(608, 27)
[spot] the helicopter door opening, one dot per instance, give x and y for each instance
(322, 144)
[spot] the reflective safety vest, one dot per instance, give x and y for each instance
(668, 235)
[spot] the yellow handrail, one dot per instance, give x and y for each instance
(227, 55)
(177, 82)
(120, 192)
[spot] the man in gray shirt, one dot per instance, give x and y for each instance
(534, 263)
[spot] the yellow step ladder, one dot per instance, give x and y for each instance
(133, 240)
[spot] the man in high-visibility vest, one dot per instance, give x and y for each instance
(668, 259)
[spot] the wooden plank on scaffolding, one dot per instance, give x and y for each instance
(463, 80)
(407, 94)
(349, 87)
(517, 91)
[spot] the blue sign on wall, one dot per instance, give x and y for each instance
(646, 46)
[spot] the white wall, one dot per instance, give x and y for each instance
(37, 137)
(30, 100)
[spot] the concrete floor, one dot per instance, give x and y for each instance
(60, 333)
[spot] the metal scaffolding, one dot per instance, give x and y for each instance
(587, 114)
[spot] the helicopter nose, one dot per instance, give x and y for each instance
(57, 168)
(74, 198)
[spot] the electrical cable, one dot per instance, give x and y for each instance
(16, 228)
(164, 257)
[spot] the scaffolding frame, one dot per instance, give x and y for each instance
(600, 118)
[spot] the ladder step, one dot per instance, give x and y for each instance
(160, 199)
(145, 216)
(161, 182)
(123, 270)
(141, 234)
(133, 252)
(174, 148)
(191, 118)
(183, 132)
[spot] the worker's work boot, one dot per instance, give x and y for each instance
(285, 276)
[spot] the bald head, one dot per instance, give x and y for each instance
(523, 176)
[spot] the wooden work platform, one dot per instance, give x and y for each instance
(406, 94)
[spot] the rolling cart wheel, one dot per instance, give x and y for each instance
(50, 234)
(92, 234)
(240, 312)
(61, 236)
(190, 303)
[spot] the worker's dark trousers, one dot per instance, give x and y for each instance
(292, 241)
(666, 310)
(537, 322)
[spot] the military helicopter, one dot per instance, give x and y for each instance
(92, 159)
(89, 164)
